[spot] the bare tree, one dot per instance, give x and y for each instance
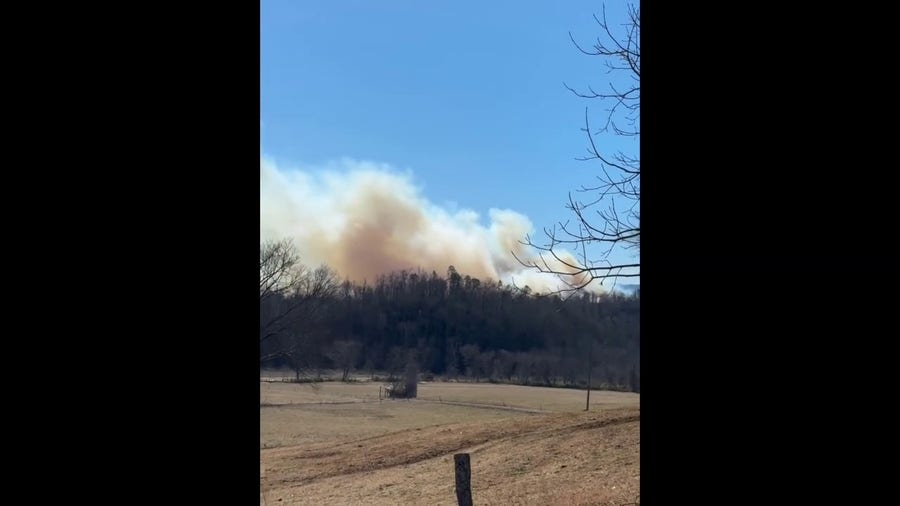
(280, 272)
(607, 218)
(345, 354)
(291, 298)
(470, 355)
(412, 378)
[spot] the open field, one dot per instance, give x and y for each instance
(337, 444)
(532, 398)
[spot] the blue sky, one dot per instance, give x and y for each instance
(466, 96)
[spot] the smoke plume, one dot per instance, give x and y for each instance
(365, 219)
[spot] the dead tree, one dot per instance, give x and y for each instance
(607, 216)
(280, 272)
(291, 298)
(344, 354)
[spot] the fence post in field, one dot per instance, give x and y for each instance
(463, 479)
(587, 403)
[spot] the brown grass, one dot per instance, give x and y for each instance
(401, 452)
(540, 398)
(534, 398)
(315, 423)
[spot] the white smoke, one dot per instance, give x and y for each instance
(365, 219)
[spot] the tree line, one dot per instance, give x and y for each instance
(447, 324)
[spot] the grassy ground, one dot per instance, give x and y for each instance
(535, 398)
(314, 423)
(337, 444)
(583, 458)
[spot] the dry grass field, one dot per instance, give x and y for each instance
(337, 443)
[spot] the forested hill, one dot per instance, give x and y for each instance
(457, 325)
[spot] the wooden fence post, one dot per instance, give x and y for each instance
(463, 479)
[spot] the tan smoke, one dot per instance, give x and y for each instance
(365, 219)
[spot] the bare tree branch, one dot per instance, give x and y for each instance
(615, 220)
(288, 291)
